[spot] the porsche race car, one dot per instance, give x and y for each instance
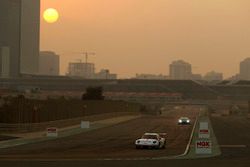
(151, 140)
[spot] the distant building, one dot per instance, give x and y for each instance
(49, 63)
(105, 74)
(151, 76)
(5, 62)
(196, 77)
(180, 70)
(213, 76)
(245, 69)
(234, 77)
(80, 69)
(19, 37)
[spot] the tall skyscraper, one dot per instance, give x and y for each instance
(19, 37)
(245, 69)
(180, 70)
(49, 63)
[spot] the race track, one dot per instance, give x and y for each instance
(112, 142)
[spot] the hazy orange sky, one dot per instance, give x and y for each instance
(145, 36)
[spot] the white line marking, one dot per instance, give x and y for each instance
(233, 146)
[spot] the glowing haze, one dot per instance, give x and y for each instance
(144, 36)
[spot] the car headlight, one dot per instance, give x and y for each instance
(188, 121)
(180, 121)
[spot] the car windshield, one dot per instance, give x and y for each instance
(149, 137)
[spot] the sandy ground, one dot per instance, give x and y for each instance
(112, 142)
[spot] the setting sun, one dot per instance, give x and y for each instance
(51, 15)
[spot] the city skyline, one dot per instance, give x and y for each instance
(152, 34)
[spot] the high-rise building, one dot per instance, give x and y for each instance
(80, 69)
(5, 62)
(245, 69)
(19, 36)
(213, 76)
(49, 63)
(180, 70)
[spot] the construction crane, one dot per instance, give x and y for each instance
(87, 54)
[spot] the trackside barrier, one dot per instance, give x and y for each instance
(203, 146)
(52, 132)
(204, 131)
(85, 125)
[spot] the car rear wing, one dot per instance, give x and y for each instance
(164, 135)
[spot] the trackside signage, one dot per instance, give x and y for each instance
(52, 132)
(85, 124)
(204, 130)
(203, 147)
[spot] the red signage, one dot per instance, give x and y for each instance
(203, 144)
(52, 132)
(203, 130)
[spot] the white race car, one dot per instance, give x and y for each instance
(151, 140)
(184, 121)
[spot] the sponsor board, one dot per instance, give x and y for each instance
(203, 147)
(52, 132)
(204, 130)
(85, 125)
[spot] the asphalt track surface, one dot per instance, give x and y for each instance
(3, 137)
(125, 163)
(233, 131)
(112, 142)
(228, 130)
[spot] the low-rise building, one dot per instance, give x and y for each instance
(80, 69)
(151, 76)
(213, 76)
(105, 74)
(49, 63)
